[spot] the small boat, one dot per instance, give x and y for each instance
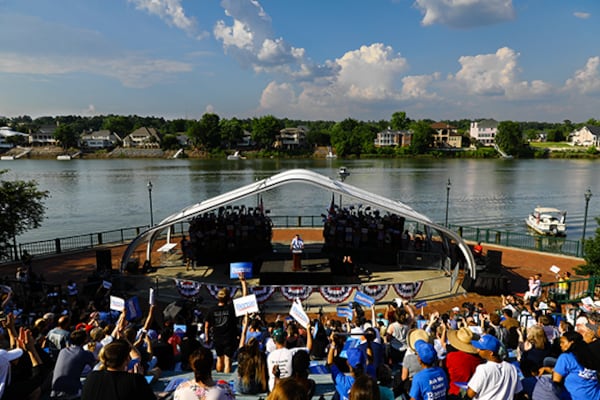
(7, 158)
(548, 221)
(64, 157)
(330, 154)
(236, 156)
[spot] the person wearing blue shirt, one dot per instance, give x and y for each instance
(430, 383)
(343, 383)
(576, 366)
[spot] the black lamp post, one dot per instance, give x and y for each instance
(447, 199)
(343, 173)
(150, 198)
(587, 195)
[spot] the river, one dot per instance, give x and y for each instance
(95, 195)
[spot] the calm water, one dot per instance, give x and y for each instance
(95, 195)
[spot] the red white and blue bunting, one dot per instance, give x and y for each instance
(336, 294)
(377, 292)
(188, 288)
(214, 290)
(408, 290)
(296, 292)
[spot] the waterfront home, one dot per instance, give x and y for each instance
(291, 138)
(102, 139)
(446, 135)
(44, 136)
(587, 136)
(484, 131)
(395, 138)
(145, 138)
(6, 132)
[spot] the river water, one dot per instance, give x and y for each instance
(96, 195)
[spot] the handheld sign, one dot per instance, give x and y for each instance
(117, 303)
(236, 268)
(297, 312)
(344, 312)
(554, 269)
(132, 308)
(364, 299)
(245, 305)
(106, 284)
(421, 304)
(151, 296)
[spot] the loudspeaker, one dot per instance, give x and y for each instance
(493, 261)
(103, 261)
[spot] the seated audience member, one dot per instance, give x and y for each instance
(430, 382)
(202, 386)
(300, 372)
(71, 362)
(113, 382)
(365, 388)
(462, 360)
(287, 389)
(575, 367)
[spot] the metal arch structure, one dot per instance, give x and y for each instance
(284, 178)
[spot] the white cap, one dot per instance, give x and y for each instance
(455, 309)
(357, 331)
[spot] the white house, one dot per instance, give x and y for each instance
(147, 138)
(102, 139)
(587, 136)
(6, 132)
(291, 137)
(484, 131)
(44, 136)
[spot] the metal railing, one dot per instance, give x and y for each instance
(549, 244)
(571, 290)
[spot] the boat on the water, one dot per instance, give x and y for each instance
(548, 221)
(236, 156)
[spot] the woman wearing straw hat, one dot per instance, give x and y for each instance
(410, 362)
(461, 364)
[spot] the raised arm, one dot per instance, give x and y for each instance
(244, 330)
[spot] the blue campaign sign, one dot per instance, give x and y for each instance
(344, 312)
(364, 299)
(236, 268)
(421, 304)
(132, 309)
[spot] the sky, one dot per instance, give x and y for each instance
(522, 60)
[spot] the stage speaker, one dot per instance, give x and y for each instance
(103, 261)
(493, 261)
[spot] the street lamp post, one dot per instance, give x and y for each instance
(447, 199)
(343, 173)
(150, 198)
(587, 195)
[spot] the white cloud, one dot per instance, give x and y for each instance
(587, 79)
(172, 12)
(465, 13)
(496, 75)
(582, 15)
(415, 87)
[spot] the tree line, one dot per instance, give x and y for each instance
(349, 137)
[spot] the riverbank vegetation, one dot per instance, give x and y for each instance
(214, 137)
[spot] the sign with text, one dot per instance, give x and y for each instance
(554, 269)
(106, 284)
(151, 296)
(236, 268)
(364, 299)
(297, 312)
(344, 312)
(117, 303)
(132, 309)
(421, 304)
(245, 305)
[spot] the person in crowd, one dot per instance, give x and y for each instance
(189, 343)
(58, 337)
(478, 252)
(300, 372)
(279, 361)
(70, 363)
(495, 379)
(512, 327)
(297, 248)
(430, 382)
(355, 361)
(410, 362)
(575, 367)
(535, 288)
(113, 382)
(365, 387)
(252, 365)
(320, 341)
(202, 386)
(538, 384)
(535, 347)
(385, 380)
(397, 333)
(462, 359)
(288, 389)
(222, 321)
(373, 350)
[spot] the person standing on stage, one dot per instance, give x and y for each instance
(297, 246)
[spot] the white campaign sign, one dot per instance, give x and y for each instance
(151, 296)
(297, 312)
(245, 305)
(117, 303)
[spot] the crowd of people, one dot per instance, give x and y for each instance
(228, 234)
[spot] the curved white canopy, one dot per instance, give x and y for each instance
(288, 177)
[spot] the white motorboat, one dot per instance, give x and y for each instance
(548, 221)
(330, 154)
(236, 156)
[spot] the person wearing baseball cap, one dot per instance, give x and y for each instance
(431, 381)
(495, 379)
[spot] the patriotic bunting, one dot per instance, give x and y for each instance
(408, 290)
(336, 294)
(214, 289)
(293, 292)
(187, 288)
(377, 292)
(262, 293)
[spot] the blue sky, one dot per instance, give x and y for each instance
(327, 59)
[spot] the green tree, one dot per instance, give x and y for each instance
(422, 138)
(209, 131)
(509, 137)
(591, 255)
(21, 208)
(343, 138)
(121, 125)
(169, 142)
(556, 135)
(265, 129)
(66, 135)
(232, 132)
(399, 121)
